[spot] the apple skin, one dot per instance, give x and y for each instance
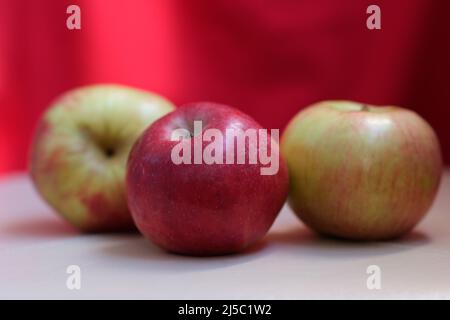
(80, 148)
(361, 172)
(201, 209)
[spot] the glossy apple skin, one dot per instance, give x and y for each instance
(362, 173)
(200, 209)
(80, 148)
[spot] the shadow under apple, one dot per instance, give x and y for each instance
(40, 227)
(149, 257)
(304, 243)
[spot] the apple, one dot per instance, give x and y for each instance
(200, 207)
(80, 148)
(361, 172)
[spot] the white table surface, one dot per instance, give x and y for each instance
(36, 246)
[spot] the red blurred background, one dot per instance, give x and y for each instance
(269, 58)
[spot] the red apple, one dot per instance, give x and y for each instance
(204, 208)
(80, 150)
(359, 171)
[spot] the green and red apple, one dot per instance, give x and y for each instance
(80, 150)
(361, 172)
